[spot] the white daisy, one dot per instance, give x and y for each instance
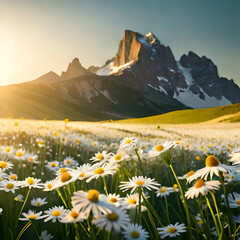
(202, 187)
(9, 185)
(164, 191)
(90, 201)
(119, 157)
(38, 202)
(135, 231)
(128, 144)
(105, 169)
(55, 213)
(137, 182)
(69, 162)
(73, 216)
(32, 158)
(45, 235)
(234, 200)
(213, 166)
(115, 199)
(31, 215)
(31, 183)
(116, 219)
(5, 165)
(172, 230)
(101, 157)
(132, 201)
(160, 148)
(81, 172)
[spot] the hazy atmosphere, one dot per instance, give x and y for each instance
(39, 36)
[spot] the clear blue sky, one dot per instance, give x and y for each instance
(42, 35)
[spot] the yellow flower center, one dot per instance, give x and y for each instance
(159, 148)
(99, 170)
(74, 214)
(171, 230)
(82, 174)
(67, 162)
(190, 174)
(32, 216)
(7, 149)
(19, 154)
(139, 183)
(30, 181)
(175, 186)
(132, 201)
(199, 183)
(56, 213)
(77, 141)
(113, 200)
(198, 158)
(9, 186)
(49, 186)
(201, 147)
(31, 159)
(13, 176)
(65, 177)
(112, 216)
(238, 202)
(135, 234)
(100, 156)
(53, 164)
(62, 170)
(56, 134)
(128, 141)
(177, 142)
(93, 195)
(163, 189)
(118, 157)
(38, 204)
(232, 177)
(211, 161)
(200, 221)
(3, 164)
(94, 144)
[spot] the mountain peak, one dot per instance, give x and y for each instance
(150, 37)
(75, 69)
(47, 78)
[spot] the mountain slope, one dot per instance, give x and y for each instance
(143, 63)
(87, 97)
(192, 116)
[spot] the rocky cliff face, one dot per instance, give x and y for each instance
(143, 63)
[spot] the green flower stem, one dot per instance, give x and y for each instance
(217, 210)
(167, 212)
(60, 195)
(230, 220)
(28, 224)
(184, 202)
(140, 161)
(139, 205)
(105, 185)
(213, 216)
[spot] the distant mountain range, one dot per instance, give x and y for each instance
(143, 79)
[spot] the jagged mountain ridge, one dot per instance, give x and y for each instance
(143, 79)
(143, 63)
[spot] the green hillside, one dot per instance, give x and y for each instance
(190, 115)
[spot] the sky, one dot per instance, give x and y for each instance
(38, 36)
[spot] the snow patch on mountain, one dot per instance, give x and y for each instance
(160, 89)
(110, 69)
(188, 98)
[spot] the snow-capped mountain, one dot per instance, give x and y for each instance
(145, 64)
(143, 79)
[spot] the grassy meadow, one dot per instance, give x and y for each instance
(134, 179)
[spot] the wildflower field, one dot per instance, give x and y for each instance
(82, 180)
